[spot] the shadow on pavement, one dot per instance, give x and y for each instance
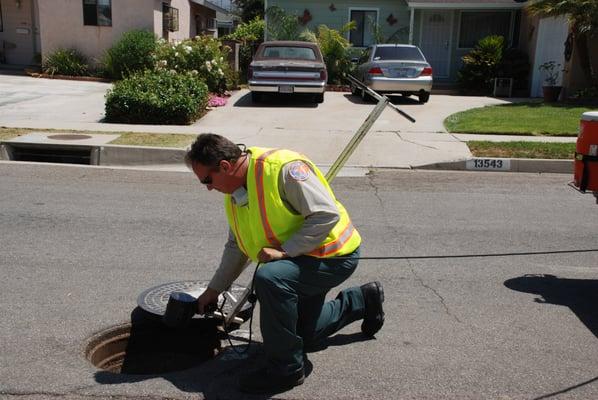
(580, 295)
(570, 388)
(396, 100)
(277, 100)
(187, 357)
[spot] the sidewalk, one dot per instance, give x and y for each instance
(319, 131)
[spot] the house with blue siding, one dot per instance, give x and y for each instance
(445, 30)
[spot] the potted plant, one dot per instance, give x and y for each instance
(550, 89)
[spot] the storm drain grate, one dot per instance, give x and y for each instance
(53, 154)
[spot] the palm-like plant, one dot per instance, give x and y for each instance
(583, 19)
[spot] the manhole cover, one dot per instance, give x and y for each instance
(69, 137)
(154, 300)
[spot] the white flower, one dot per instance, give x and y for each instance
(197, 37)
(162, 63)
(187, 49)
(176, 53)
(172, 72)
(173, 47)
(221, 59)
(194, 72)
(208, 66)
(220, 72)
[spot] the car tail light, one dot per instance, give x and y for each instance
(375, 71)
(250, 73)
(427, 71)
(324, 75)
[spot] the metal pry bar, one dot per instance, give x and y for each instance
(363, 129)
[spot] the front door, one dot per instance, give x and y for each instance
(435, 39)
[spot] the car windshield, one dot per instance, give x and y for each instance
(293, 53)
(398, 53)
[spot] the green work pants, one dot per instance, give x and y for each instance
(293, 311)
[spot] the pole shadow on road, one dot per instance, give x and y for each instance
(396, 100)
(580, 295)
(187, 358)
(277, 101)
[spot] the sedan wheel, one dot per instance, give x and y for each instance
(424, 97)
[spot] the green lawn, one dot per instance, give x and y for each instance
(155, 139)
(519, 119)
(522, 149)
(126, 138)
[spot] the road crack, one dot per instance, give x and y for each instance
(430, 288)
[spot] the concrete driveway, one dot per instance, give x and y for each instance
(320, 131)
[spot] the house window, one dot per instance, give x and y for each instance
(170, 17)
(363, 35)
(97, 12)
(477, 25)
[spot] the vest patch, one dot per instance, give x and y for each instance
(299, 171)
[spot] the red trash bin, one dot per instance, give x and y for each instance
(586, 153)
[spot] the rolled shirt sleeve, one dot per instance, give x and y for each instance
(304, 194)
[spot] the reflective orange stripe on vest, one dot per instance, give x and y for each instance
(331, 247)
(259, 184)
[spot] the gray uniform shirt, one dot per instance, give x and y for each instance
(302, 195)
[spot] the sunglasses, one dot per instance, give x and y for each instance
(208, 179)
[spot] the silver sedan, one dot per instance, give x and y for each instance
(394, 68)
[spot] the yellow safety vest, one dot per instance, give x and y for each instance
(267, 222)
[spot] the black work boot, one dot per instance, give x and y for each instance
(373, 296)
(264, 381)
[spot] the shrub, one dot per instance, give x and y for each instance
(131, 54)
(283, 26)
(202, 56)
(160, 97)
(65, 62)
(481, 64)
(334, 47)
(250, 35)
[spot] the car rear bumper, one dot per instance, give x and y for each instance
(297, 86)
(382, 84)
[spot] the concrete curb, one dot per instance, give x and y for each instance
(505, 165)
(167, 157)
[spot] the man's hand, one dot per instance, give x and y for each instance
(209, 296)
(268, 254)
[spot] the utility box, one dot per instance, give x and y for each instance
(503, 87)
(586, 153)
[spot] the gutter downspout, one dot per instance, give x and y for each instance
(411, 24)
(34, 30)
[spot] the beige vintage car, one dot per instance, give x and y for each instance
(288, 67)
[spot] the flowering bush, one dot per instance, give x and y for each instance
(160, 97)
(201, 56)
(132, 53)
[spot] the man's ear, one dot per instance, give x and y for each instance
(225, 165)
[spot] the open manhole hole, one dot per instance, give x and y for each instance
(69, 137)
(146, 346)
(152, 348)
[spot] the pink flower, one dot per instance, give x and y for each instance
(216, 101)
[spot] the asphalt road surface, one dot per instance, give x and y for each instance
(77, 245)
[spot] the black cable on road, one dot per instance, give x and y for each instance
(526, 253)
